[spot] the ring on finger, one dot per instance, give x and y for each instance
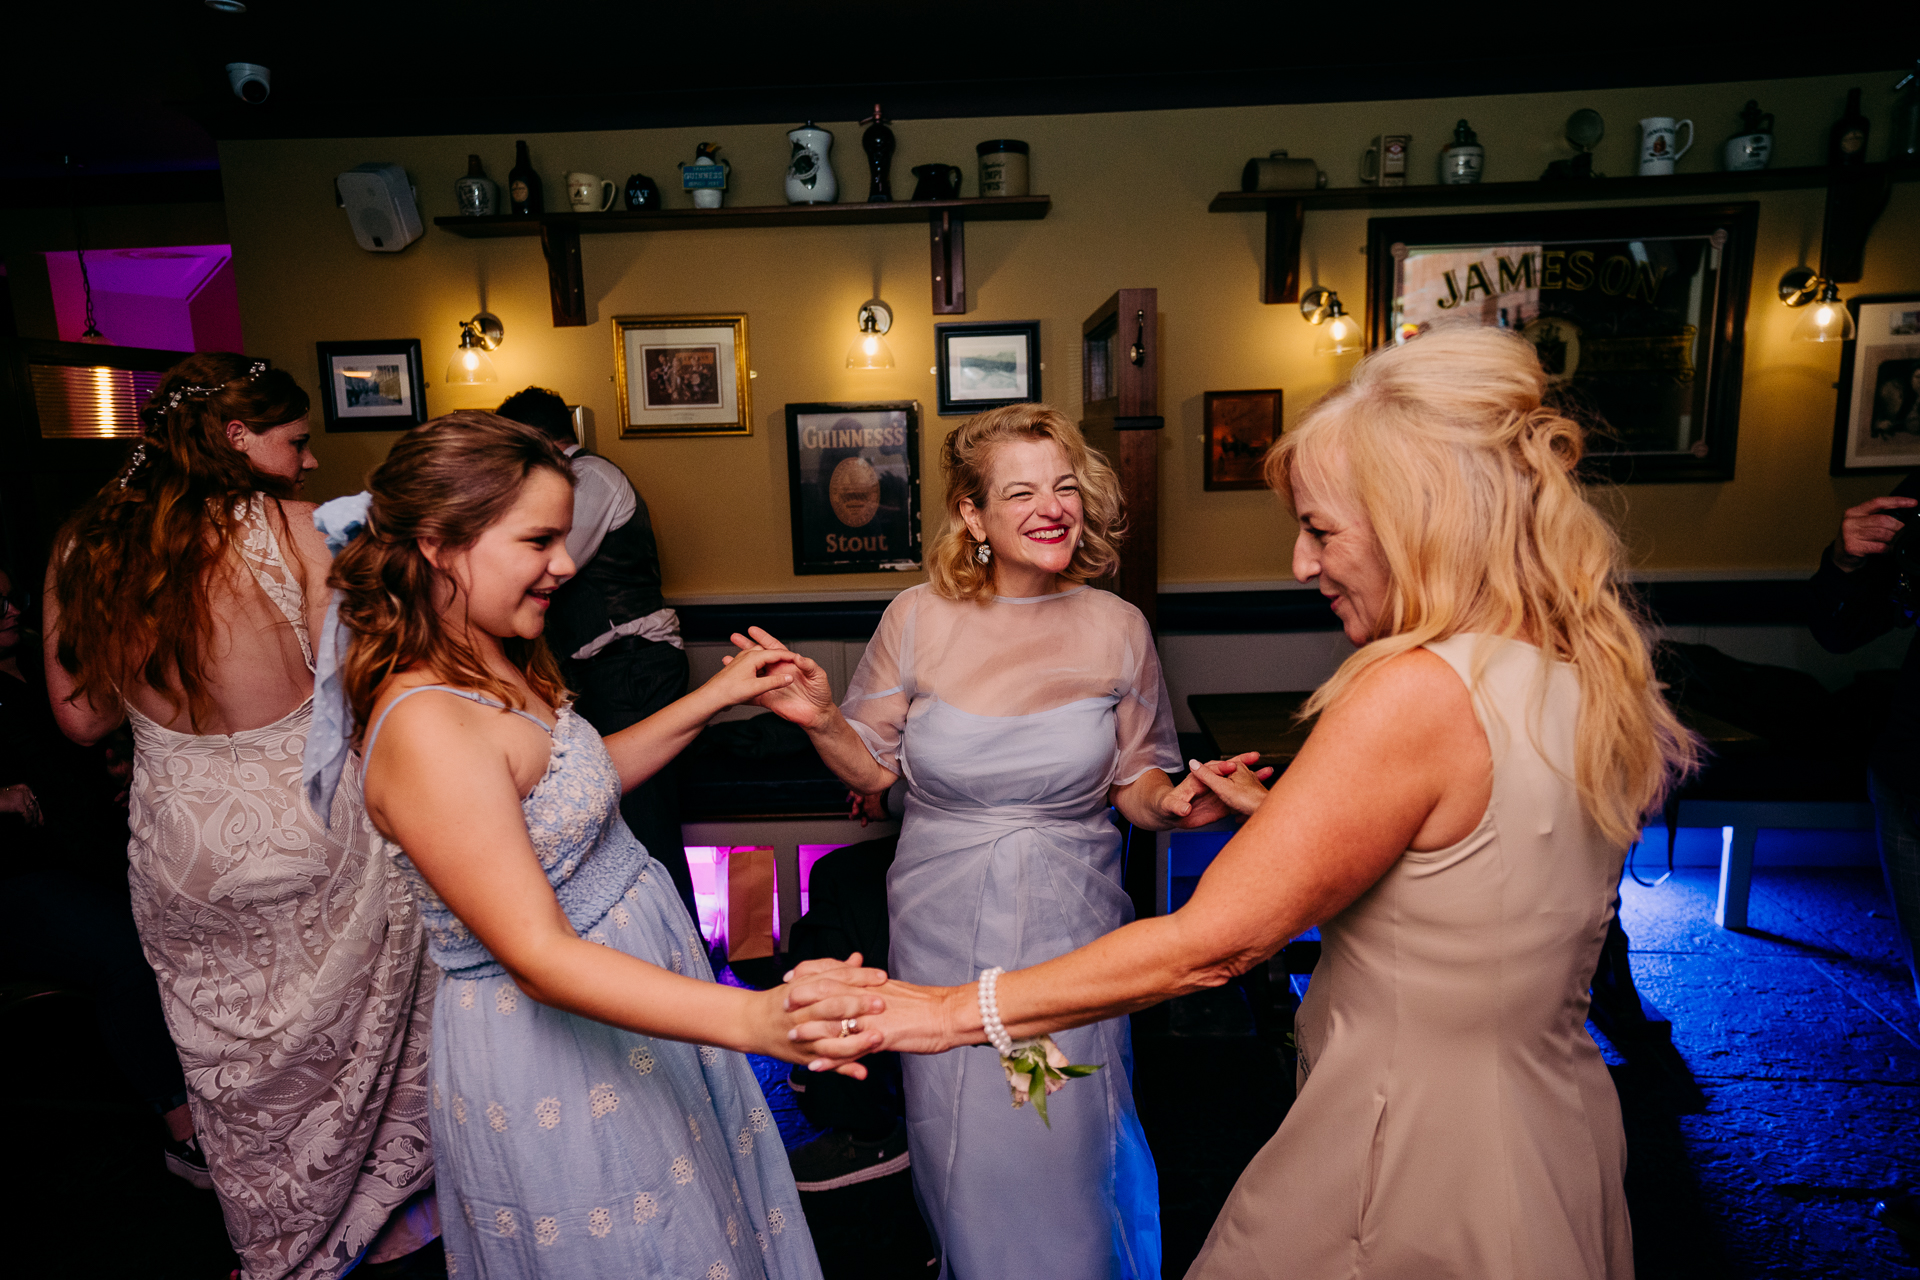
(849, 1025)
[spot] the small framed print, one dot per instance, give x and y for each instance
(1241, 427)
(983, 366)
(853, 473)
(682, 376)
(1876, 425)
(372, 386)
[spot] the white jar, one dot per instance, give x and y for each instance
(810, 177)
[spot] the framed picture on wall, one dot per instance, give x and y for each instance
(853, 473)
(983, 366)
(372, 386)
(1637, 315)
(1876, 426)
(1241, 427)
(682, 376)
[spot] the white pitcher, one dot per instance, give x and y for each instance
(1658, 135)
(810, 177)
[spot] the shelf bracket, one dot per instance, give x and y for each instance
(566, 281)
(949, 241)
(1281, 280)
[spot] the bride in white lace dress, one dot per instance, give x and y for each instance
(289, 955)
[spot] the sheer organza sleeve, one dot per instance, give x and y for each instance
(880, 692)
(1143, 722)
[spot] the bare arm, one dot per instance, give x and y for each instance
(808, 702)
(442, 784)
(84, 719)
(1304, 856)
(641, 750)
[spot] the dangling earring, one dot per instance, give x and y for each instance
(984, 554)
(1078, 545)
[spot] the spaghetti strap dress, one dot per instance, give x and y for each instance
(292, 971)
(1011, 719)
(570, 1149)
(1454, 1119)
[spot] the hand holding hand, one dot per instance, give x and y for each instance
(826, 1006)
(867, 808)
(1211, 791)
(916, 1020)
(756, 672)
(1866, 530)
(807, 697)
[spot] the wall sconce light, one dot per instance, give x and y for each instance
(1827, 318)
(1339, 332)
(471, 365)
(869, 350)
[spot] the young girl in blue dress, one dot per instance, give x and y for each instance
(592, 1113)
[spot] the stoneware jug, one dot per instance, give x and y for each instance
(810, 177)
(1752, 147)
(478, 196)
(936, 182)
(643, 193)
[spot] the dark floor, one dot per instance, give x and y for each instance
(1796, 1104)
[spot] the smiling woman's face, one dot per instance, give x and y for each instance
(1336, 544)
(508, 575)
(1032, 517)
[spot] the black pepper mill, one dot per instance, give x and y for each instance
(877, 142)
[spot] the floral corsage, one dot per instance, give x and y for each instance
(1035, 1068)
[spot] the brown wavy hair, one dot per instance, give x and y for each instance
(1468, 478)
(134, 565)
(448, 481)
(966, 461)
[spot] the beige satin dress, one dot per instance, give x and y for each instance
(1454, 1117)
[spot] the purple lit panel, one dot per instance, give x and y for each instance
(180, 298)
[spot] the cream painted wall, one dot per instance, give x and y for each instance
(1130, 192)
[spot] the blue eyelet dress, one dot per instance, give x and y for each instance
(569, 1148)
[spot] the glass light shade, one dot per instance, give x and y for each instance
(1826, 320)
(470, 367)
(869, 351)
(1339, 334)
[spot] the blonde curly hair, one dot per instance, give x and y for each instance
(966, 461)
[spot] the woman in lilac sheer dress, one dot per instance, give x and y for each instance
(1020, 704)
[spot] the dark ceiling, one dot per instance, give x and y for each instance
(122, 88)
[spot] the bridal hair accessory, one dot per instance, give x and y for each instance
(984, 554)
(134, 463)
(1036, 1067)
(254, 371)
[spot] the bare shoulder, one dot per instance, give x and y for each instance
(1414, 695)
(296, 517)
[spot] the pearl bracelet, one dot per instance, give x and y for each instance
(990, 1012)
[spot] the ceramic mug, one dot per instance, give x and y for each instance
(589, 193)
(1658, 138)
(1749, 151)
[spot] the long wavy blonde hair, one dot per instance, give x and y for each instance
(1468, 479)
(966, 463)
(447, 481)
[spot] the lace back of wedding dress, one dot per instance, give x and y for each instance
(289, 957)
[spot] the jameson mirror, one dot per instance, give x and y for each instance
(1637, 315)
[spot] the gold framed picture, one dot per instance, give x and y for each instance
(682, 376)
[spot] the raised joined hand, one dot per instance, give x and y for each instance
(807, 698)
(1219, 787)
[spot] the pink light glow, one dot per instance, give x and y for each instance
(180, 298)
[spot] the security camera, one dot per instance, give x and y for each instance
(251, 82)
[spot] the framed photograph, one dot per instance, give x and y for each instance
(372, 386)
(983, 366)
(682, 376)
(1241, 427)
(1876, 426)
(1637, 314)
(853, 472)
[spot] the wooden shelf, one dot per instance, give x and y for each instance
(946, 221)
(1286, 210)
(1000, 209)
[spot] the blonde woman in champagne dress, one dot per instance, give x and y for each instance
(1455, 825)
(289, 955)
